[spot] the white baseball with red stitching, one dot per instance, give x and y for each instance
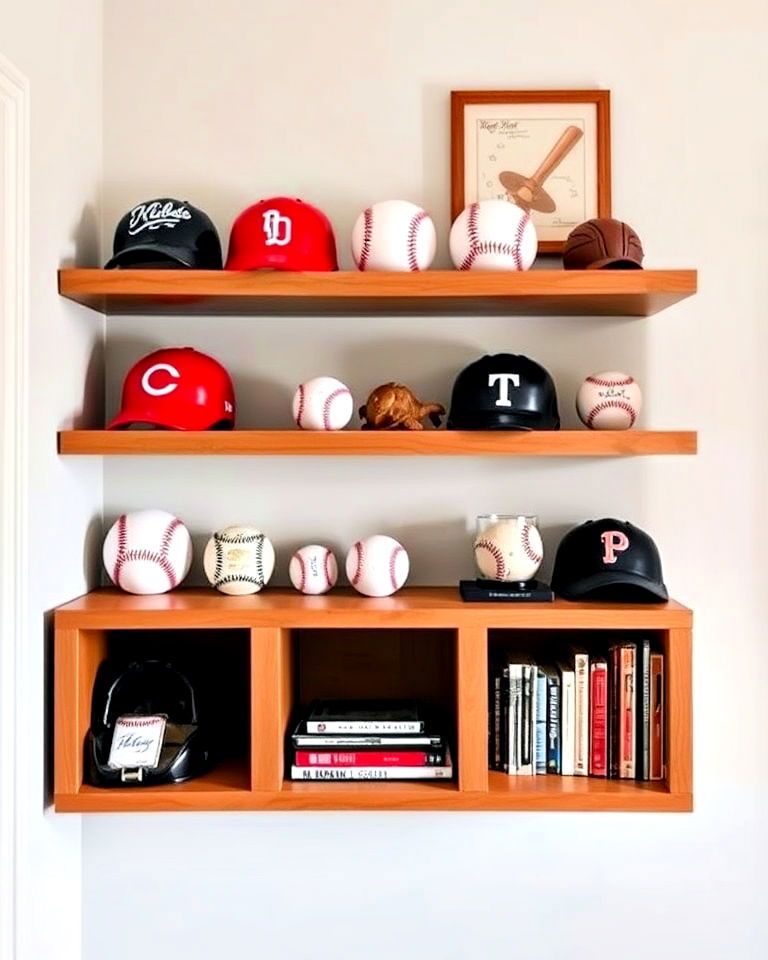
(323, 403)
(609, 401)
(377, 566)
(147, 551)
(313, 569)
(394, 235)
(493, 235)
(509, 551)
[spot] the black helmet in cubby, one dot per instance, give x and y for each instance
(504, 392)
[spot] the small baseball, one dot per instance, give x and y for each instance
(322, 403)
(510, 550)
(377, 566)
(609, 401)
(313, 569)
(239, 560)
(393, 235)
(147, 551)
(493, 235)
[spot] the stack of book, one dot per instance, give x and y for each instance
(573, 711)
(368, 740)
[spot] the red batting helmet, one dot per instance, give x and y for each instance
(282, 234)
(178, 389)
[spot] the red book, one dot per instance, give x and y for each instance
(598, 717)
(367, 758)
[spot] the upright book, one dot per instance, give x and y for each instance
(657, 771)
(567, 717)
(553, 717)
(643, 709)
(598, 716)
(581, 708)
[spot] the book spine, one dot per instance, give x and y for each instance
(627, 713)
(371, 773)
(506, 697)
(581, 731)
(643, 710)
(527, 721)
(515, 717)
(567, 725)
(365, 726)
(369, 758)
(614, 694)
(496, 765)
(541, 722)
(553, 725)
(657, 771)
(598, 719)
(351, 741)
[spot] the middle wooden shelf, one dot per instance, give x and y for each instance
(364, 443)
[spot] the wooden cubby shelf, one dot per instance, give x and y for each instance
(373, 443)
(632, 293)
(276, 650)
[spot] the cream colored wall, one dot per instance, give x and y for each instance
(56, 46)
(347, 104)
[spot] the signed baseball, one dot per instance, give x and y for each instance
(493, 235)
(609, 401)
(322, 403)
(377, 566)
(313, 569)
(147, 551)
(393, 235)
(239, 560)
(510, 550)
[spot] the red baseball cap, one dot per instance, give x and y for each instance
(178, 389)
(282, 234)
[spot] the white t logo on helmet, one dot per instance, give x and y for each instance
(504, 380)
(147, 387)
(277, 228)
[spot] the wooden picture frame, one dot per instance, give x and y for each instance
(501, 140)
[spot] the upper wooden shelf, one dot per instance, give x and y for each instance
(372, 443)
(633, 293)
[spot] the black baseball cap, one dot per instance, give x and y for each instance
(166, 233)
(504, 392)
(608, 559)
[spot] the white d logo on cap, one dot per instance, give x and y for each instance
(159, 391)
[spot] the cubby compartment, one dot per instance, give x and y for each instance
(374, 664)
(217, 664)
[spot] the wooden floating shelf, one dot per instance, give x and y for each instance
(371, 443)
(632, 293)
(423, 637)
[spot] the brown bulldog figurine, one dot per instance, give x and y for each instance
(393, 406)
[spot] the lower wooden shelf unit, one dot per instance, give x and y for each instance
(270, 652)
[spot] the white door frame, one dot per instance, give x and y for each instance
(14, 316)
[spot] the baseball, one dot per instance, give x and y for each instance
(393, 235)
(313, 569)
(493, 235)
(377, 566)
(239, 560)
(609, 401)
(510, 550)
(322, 403)
(147, 551)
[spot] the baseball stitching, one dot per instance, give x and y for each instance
(160, 558)
(327, 566)
(237, 537)
(528, 547)
(519, 239)
(600, 382)
(393, 566)
(303, 579)
(612, 405)
(359, 568)
(497, 555)
(365, 252)
(122, 543)
(474, 239)
(255, 538)
(300, 414)
(327, 406)
(413, 228)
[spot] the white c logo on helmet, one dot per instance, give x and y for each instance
(159, 391)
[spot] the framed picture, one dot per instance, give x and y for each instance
(546, 150)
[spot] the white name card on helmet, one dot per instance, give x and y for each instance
(137, 742)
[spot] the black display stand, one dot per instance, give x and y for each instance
(495, 591)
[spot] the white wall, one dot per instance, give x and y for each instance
(348, 104)
(56, 46)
